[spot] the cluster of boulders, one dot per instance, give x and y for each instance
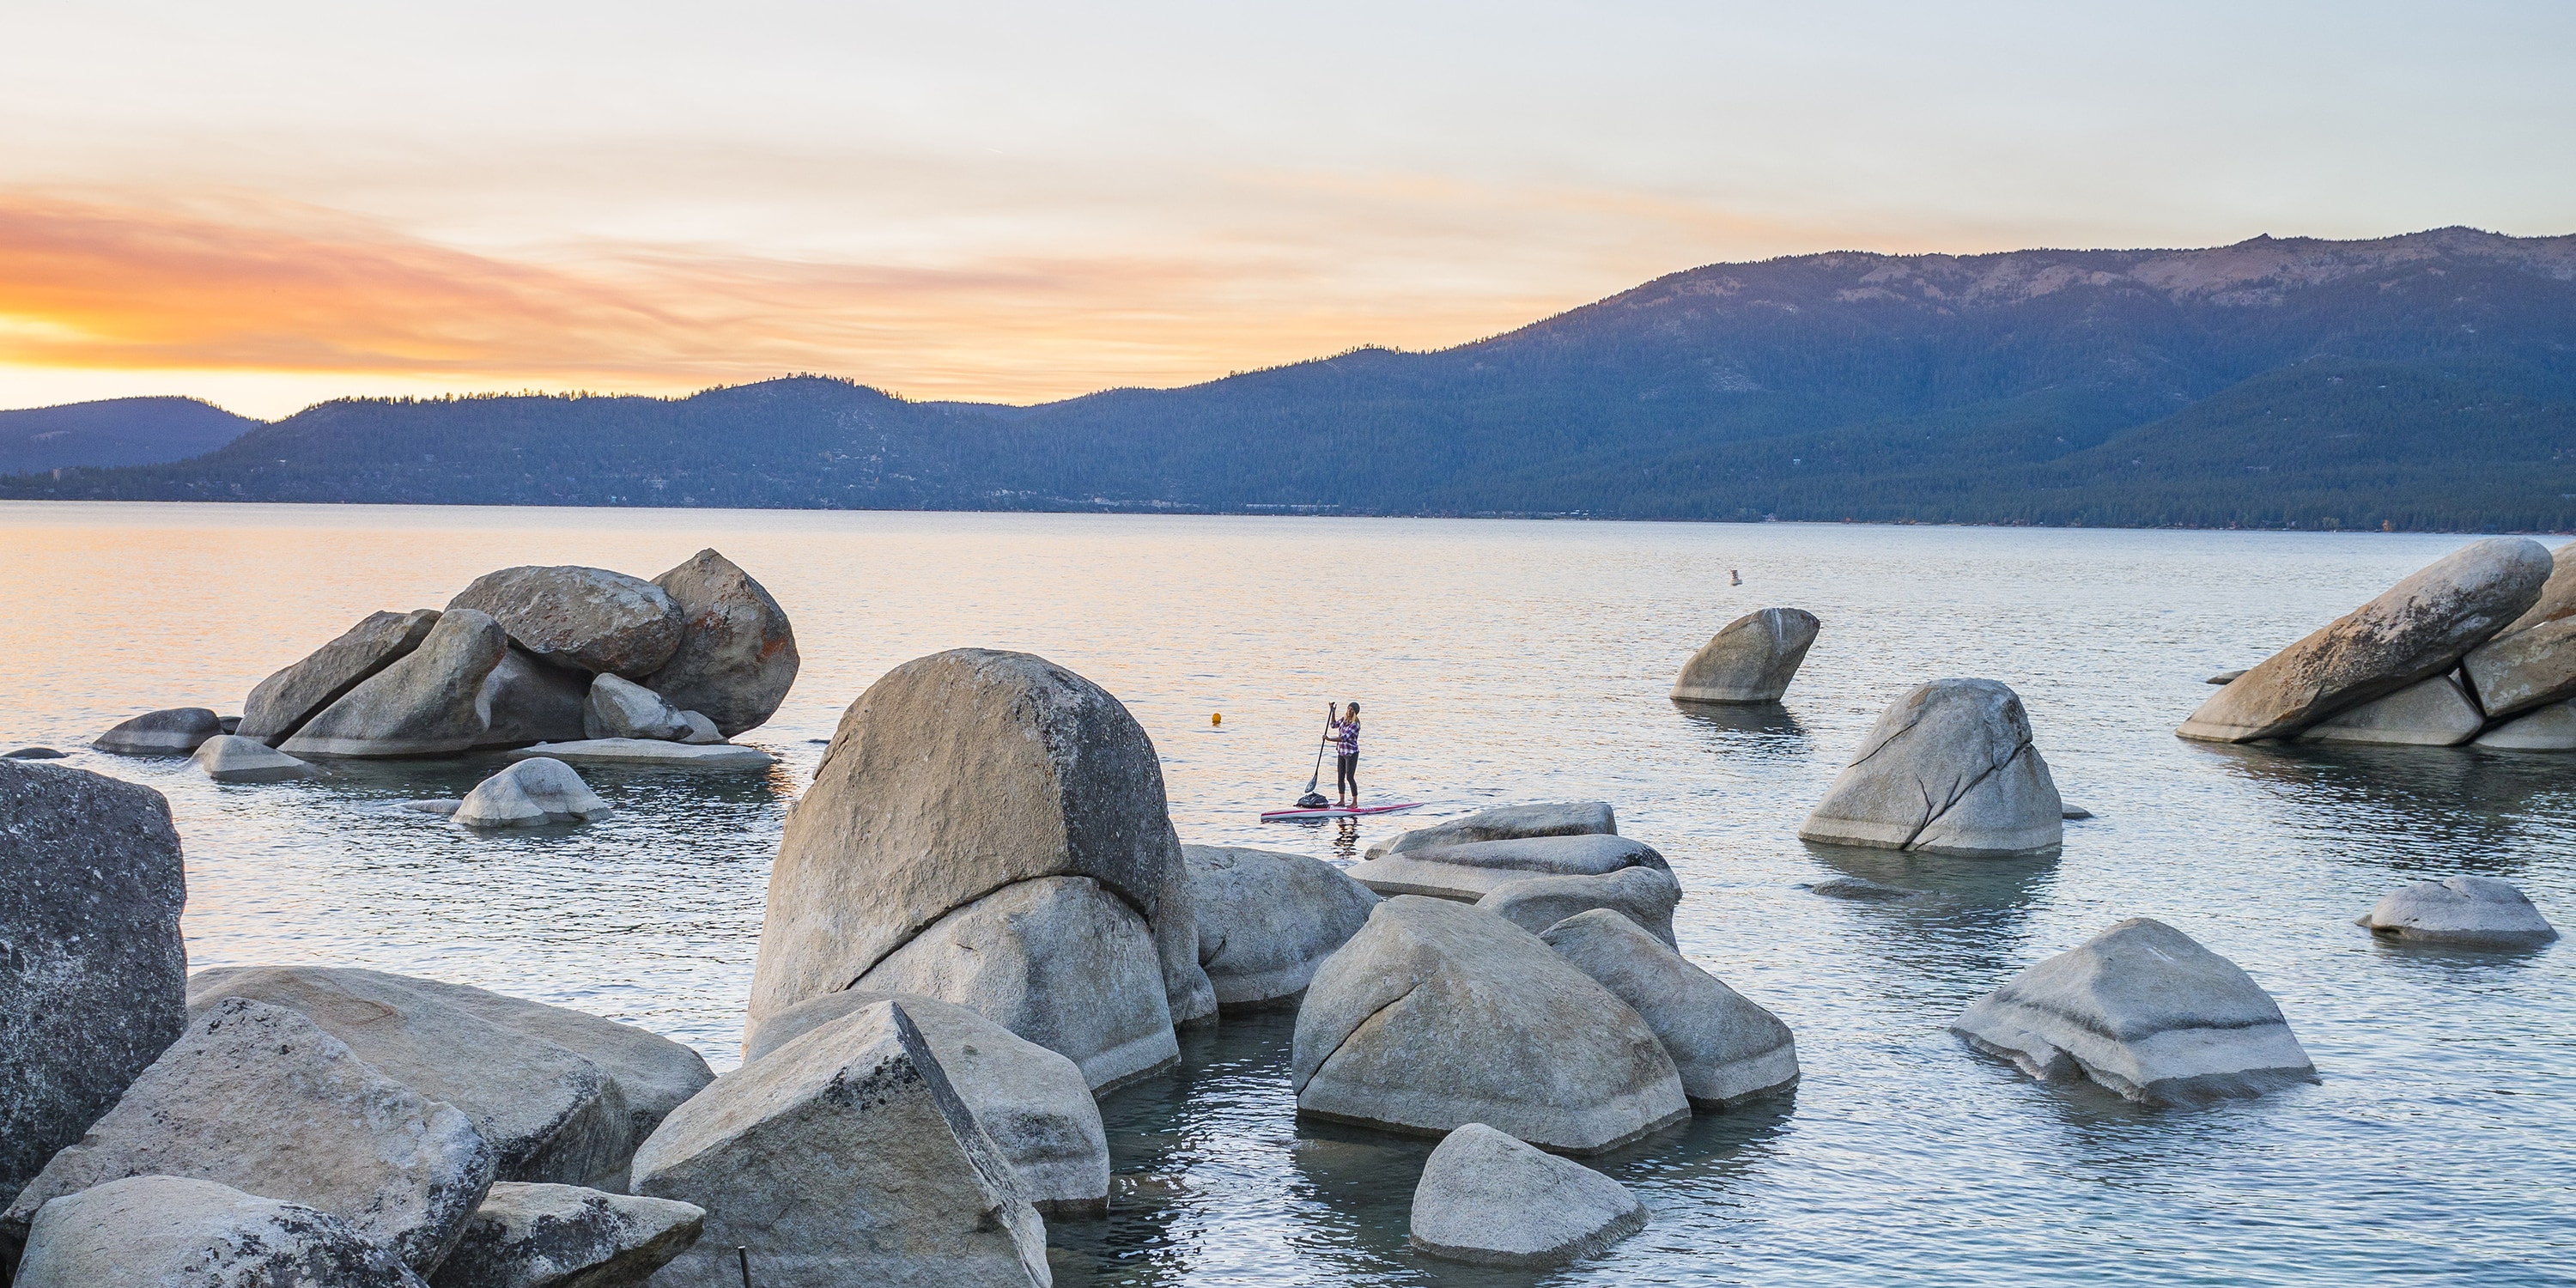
(2477, 648)
(1751, 660)
(587, 664)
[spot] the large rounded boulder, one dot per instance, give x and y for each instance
(1267, 920)
(972, 776)
(737, 655)
(2415, 630)
(1752, 660)
(1948, 769)
(1437, 1015)
(584, 619)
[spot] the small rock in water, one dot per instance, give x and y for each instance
(1471, 871)
(1751, 660)
(1489, 1200)
(2429, 713)
(170, 1230)
(174, 732)
(532, 793)
(441, 806)
(1861, 888)
(2477, 912)
(2225, 677)
(2073, 812)
(1508, 823)
(33, 753)
(235, 759)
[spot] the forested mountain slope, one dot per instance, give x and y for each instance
(2424, 381)
(118, 431)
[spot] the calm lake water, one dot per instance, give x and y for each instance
(1498, 662)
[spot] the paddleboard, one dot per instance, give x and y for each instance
(1335, 811)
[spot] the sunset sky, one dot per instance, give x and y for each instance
(267, 204)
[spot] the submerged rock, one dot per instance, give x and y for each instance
(531, 793)
(1509, 823)
(558, 1094)
(564, 1236)
(232, 758)
(2551, 728)
(583, 619)
(647, 751)
(1437, 1015)
(737, 655)
(174, 732)
(1470, 872)
(32, 753)
(256, 1097)
(624, 709)
(1035, 1104)
(1948, 769)
(2477, 912)
(1751, 660)
(972, 776)
(93, 972)
(280, 704)
(1645, 896)
(2145, 1011)
(430, 702)
(2417, 629)
(845, 1157)
(2428, 713)
(1727, 1048)
(1489, 1200)
(1266, 919)
(1864, 889)
(169, 1231)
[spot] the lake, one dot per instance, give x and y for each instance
(1498, 661)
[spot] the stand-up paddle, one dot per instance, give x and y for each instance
(1314, 799)
(1312, 805)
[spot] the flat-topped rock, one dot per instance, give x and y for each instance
(1436, 1015)
(174, 732)
(2417, 629)
(2428, 713)
(845, 1157)
(1470, 872)
(93, 972)
(231, 758)
(259, 1098)
(280, 704)
(1728, 1049)
(2476, 912)
(564, 1236)
(1751, 660)
(1949, 768)
(1267, 919)
(2551, 728)
(737, 656)
(531, 793)
(2145, 1011)
(647, 751)
(179, 1232)
(1645, 896)
(427, 703)
(1509, 823)
(1034, 1103)
(585, 619)
(1487, 1199)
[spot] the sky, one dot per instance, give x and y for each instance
(269, 204)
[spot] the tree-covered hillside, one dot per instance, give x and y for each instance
(2426, 381)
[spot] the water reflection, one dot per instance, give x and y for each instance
(1727, 724)
(2477, 806)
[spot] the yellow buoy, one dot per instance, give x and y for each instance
(1216, 717)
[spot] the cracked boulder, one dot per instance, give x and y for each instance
(93, 972)
(737, 655)
(170, 1231)
(2474, 912)
(1645, 896)
(1948, 769)
(1751, 660)
(1728, 1048)
(259, 1098)
(431, 702)
(2417, 629)
(1035, 1104)
(582, 619)
(1486, 1199)
(1436, 1015)
(280, 704)
(970, 777)
(2145, 1011)
(564, 1236)
(1508, 823)
(1471, 871)
(1267, 919)
(845, 1156)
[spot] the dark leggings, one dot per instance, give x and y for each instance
(1346, 774)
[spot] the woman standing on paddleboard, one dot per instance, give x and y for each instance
(1344, 733)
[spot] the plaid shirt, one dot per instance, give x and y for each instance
(1346, 737)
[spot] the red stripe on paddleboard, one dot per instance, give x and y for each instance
(1276, 814)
